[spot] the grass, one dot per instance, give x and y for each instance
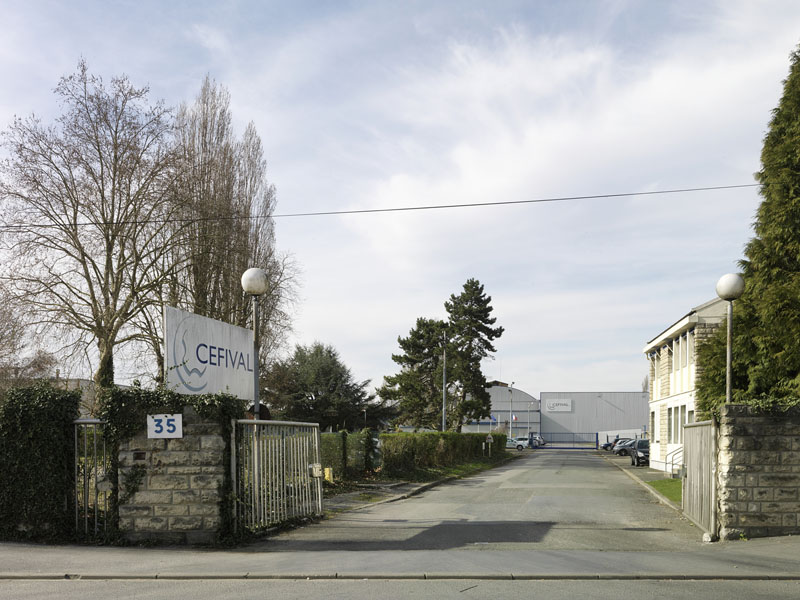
(669, 488)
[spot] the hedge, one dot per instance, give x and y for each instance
(405, 453)
(37, 476)
(349, 455)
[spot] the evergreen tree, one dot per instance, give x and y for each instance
(766, 365)
(472, 336)
(416, 390)
(467, 337)
(313, 385)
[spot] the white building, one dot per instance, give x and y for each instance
(673, 370)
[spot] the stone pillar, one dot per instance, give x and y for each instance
(169, 489)
(758, 473)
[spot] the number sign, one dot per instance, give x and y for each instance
(165, 426)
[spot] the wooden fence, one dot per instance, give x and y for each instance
(699, 489)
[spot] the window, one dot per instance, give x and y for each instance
(669, 426)
(690, 417)
(684, 350)
(690, 346)
(682, 421)
(652, 425)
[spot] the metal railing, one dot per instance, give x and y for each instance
(92, 487)
(673, 458)
(276, 471)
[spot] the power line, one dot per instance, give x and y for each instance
(364, 211)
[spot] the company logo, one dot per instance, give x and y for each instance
(192, 361)
(559, 405)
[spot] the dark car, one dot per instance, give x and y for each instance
(640, 453)
(624, 448)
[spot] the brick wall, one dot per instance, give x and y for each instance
(758, 473)
(177, 500)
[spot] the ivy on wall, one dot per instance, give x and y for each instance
(37, 479)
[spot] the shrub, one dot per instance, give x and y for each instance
(405, 453)
(37, 462)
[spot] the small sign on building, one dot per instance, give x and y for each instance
(165, 426)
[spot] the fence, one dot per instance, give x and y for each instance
(276, 472)
(699, 491)
(91, 484)
(565, 440)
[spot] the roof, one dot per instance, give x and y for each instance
(712, 311)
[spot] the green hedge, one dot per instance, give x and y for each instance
(350, 455)
(405, 453)
(37, 462)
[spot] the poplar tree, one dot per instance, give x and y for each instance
(766, 366)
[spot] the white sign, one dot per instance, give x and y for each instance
(489, 439)
(558, 405)
(205, 356)
(165, 426)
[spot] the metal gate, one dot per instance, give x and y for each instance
(92, 486)
(564, 440)
(699, 489)
(277, 475)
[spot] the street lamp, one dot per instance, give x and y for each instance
(255, 283)
(729, 287)
(511, 411)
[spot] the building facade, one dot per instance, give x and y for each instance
(673, 370)
(588, 413)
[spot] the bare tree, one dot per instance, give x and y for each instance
(88, 216)
(226, 206)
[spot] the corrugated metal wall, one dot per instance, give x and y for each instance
(593, 411)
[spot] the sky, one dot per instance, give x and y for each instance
(366, 105)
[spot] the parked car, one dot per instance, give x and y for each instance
(526, 443)
(537, 440)
(516, 443)
(640, 453)
(617, 442)
(624, 448)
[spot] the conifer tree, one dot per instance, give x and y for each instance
(766, 346)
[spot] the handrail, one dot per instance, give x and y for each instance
(670, 458)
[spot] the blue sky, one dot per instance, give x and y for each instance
(382, 104)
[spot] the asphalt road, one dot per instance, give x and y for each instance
(549, 500)
(552, 524)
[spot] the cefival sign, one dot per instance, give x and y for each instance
(205, 356)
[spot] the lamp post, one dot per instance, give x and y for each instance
(730, 287)
(511, 411)
(255, 283)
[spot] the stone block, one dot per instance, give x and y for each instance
(171, 510)
(785, 494)
(752, 507)
(205, 481)
(212, 442)
(731, 533)
(728, 519)
(789, 520)
(759, 519)
(795, 443)
(172, 459)
(200, 537)
(743, 494)
(776, 443)
(790, 458)
(215, 470)
(185, 523)
(184, 444)
(126, 523)
(151, 497)
(745, 443)
(168, 482)
(737, 480)
(150, 524)
(204, 510)
(184, 470)
(783, 469)
(211, 523)
(128, 510)
(763, 494)
(195, 496)
(207, 457)
(751, 480)
(779, 480)
(728, 493)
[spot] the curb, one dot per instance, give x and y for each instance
(404, 576)
(661, 498)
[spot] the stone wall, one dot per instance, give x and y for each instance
(172, 493)
(758, 473)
